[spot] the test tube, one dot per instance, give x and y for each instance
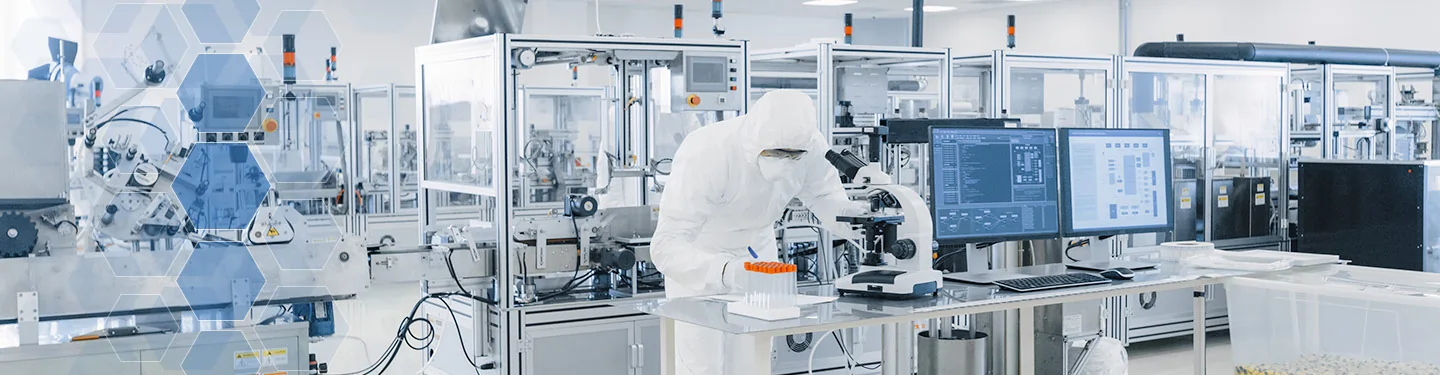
(749, 280)
(774, 287)
(769, 285)
(750, 287)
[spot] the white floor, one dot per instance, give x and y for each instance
(1176, 356)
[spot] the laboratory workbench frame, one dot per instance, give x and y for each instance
(896, 327)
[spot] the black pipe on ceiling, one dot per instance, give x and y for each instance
(917, 23)
(1291, 53)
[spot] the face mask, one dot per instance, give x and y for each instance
(774, 169)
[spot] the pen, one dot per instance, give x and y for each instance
(752, 252)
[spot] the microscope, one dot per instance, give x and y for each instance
(898, 230)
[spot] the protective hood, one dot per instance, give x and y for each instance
(781, 119)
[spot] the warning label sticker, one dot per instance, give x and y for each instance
(247, 360)
(276, 357)
(252, 360)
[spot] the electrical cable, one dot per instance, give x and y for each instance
(408, 337)
(568, 287)
(151, 124)
(845, 350)
(816, 348)
(450, 265)
(1073, 245)
(426, 366)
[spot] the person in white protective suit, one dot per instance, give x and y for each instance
(729, 183)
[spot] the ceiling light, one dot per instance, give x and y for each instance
(830, 3)
(933, 8)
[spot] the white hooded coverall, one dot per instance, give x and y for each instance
(720, 201)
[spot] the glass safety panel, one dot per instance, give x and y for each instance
(459, 102)
(1176, 102)
(1306, 125)
(389, 152)
(970, 88)
(560, 143)
(1058, 98)
(308, 162)
(1248, 162)
(1415, 115)
(1360, 102)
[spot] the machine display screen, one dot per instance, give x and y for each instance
(706, 74)
(232, 106)
(1118, 181)
(994, 184)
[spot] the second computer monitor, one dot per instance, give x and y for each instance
(1117, 181)
(993, 184)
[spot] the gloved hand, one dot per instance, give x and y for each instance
(733, 276)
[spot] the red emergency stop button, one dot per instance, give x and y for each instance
(693, 100)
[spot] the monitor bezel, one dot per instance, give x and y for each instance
(1067, 213)
(935, 231)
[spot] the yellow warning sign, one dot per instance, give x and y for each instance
(272, 232)
(247, 360)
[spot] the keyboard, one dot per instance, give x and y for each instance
(1031, 284)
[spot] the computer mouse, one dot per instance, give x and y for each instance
(1118, 273)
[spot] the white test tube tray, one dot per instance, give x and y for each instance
(770, 313)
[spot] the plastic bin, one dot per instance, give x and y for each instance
(1336, 320)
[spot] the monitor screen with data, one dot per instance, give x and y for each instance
(993, 184)
(1117, 181)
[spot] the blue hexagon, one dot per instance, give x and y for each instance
(221, 186)
(220, 21)
(221, 276)
(221, 352)
(223, 91)
(314, 37)
(137, 38)
(168, 322)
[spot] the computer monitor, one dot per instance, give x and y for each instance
(1117, 181)
(993, 184)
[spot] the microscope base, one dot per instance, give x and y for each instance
(890, 283)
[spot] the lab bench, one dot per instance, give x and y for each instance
(895, 317)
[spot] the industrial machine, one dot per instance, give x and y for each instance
(1345, 205)
(36, 216)
(157, 278)
(557, 149)
(897, 243)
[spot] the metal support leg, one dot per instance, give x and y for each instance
(1027, 340)
(28, 314)
(1199, 330)
(889, 350)
(755, 358)
(667, 346)
(904, 348)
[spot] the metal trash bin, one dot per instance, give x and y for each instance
(960, 352)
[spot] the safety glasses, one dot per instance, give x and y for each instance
(783, 153)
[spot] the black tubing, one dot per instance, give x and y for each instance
(1291, 53)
